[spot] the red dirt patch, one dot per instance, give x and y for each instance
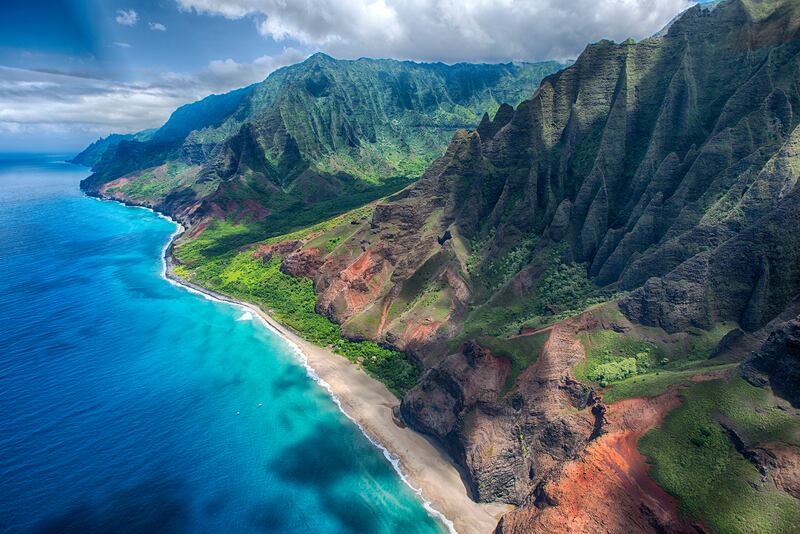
(609, 488)
(355, 287)
(785, 467)
(265, 252)
(387, 303)
(119, 182)
(421, 332)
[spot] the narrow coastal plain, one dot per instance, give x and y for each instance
(424, 466)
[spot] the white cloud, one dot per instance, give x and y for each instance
(157, 26)
(121, 44)
(449, 30)
(36, 103)
(127, 17)
(32, 97)
(229, 72)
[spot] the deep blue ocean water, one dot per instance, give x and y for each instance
(119, 392)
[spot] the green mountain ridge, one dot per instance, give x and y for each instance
(312, 132)
(91, 155)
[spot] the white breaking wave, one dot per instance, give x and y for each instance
(246, 316)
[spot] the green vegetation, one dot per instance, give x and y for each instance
(337, 224)
(694, 459)
(700, 345)
(612, 356)
(655, 383)
(565, 287)
(521, 351)
(500, 270)
(291, 301)
(631, 366)
(561, 291)
(290, 222)
(181, 270)
(157, 182)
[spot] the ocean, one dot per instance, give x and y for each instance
(128, 404)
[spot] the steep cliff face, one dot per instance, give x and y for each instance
(673, 158)
(668, 165)
(608, 489)
(667, 168)
(508, 444)
(308, 134)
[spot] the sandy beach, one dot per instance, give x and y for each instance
(367, 401)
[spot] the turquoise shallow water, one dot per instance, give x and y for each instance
(119, 392)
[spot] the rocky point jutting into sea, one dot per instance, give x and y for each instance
(588, 300)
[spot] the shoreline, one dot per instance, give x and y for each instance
(422, 466)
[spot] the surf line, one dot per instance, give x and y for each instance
(300, 356)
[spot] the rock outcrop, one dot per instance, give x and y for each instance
(607, 489)
(777, 362)
(508, 443)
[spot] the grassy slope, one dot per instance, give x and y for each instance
(633, 364)
(695, 460)
(655, 383)
(290, 300)
(225, 236)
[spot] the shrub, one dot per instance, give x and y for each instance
(613, 371)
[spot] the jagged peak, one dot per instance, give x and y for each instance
(484, 129)
(320, 57)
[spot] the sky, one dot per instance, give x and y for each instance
(72, 71)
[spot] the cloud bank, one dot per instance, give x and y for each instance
(33, 101)
(449, 30)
